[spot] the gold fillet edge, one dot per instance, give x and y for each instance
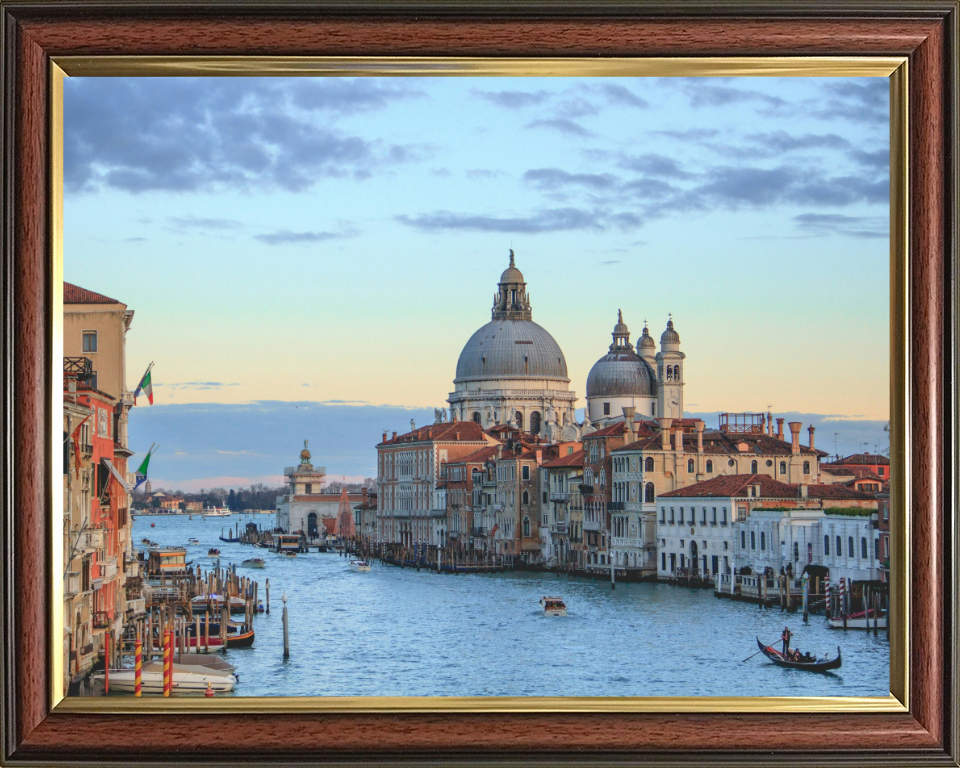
(495, 704)
(900, 388)
(372, 66)
(55, 218)
(867, 66)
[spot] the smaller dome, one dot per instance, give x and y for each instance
(646, 340)
(511, 274)
(669, 336)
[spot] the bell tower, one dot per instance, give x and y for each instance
(670, 374)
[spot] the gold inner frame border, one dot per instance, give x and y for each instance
(893, 68)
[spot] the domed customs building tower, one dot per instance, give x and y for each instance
(512, 370)
(623, 378)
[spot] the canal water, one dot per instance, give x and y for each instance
(400, 632)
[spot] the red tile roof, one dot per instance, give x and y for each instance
(74, 294)
(726, 486)
(614, 429)
(477, 457)
(574, 459)
(445, 432)
(862, 458)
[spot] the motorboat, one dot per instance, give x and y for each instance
(861, 620)
(553, 606)
(361, 566)
(254, 562)
(192, 540)
(288, 553)
(186, 677)
(812, 665)
(213, 552)
(236, 637)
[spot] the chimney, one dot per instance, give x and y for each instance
(665, 432)
(456, 416)
(394, 435)
(763, 423)
(795, 436)
(699, 427)
(384, 435)
(539, 455)
(628, 435)
(810, 430)
(780, 428)
(678, 439)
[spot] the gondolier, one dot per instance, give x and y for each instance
(787, 634)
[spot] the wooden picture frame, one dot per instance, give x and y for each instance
(925, 34)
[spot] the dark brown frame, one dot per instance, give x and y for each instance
(925, 32)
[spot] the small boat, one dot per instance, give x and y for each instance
(229, 540)
(193, 541)
(202, 604)
(213, 552)
(254, 562)
(145, 541)
(185, 678)
(360, 566)
(553, 606)
(289, 553)
(260, 608)
(817, 665)
(235, 638)
(860, 620)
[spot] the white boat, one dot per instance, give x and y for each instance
(254, 562)
(857, 621)
(193, 541)
(224, 512)
(359, 565)
(185, 678)
(553, 606)
(288, 553)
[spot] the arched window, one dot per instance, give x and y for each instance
(648, 464)
(863, 548)
(476, 416)
(526, 497)
(518, 417)
(709, 466)
(743, 539)
(603, 477)
(806, 467)
(783, 467)
(535, 422)
(669, 373)
(676, 373)
(649, 493)
(850, 546)
(763, 541)
(753, 467)
(753, 540)
(826, 545)
(526, 526)
(689, 465)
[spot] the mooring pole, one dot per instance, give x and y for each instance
(286, 628)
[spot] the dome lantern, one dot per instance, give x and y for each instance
(512, 302)
(670, 339)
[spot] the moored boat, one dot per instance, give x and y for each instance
(254, 562)
(185, 678)
(288, 553)
(553, 606)
(815, 665)
(860, 620)
(360, 566)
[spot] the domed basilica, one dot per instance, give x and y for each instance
(512, 371)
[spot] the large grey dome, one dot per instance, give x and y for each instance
(511, 349)
(621, 373)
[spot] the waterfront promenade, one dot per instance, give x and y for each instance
(400, 632)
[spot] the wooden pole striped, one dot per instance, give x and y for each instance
(826, 596)
(167, 669)
(137, 667)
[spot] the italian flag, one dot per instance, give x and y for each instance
(141, 476)
(145, 385)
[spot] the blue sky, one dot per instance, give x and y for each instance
(328, 240)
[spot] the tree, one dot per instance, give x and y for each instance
(231, 500)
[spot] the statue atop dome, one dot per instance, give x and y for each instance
(512, 302)
(305, 454)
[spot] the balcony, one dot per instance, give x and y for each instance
(616, 506)
(591, 526)
(478, 530)
(498, 507)
(137, 605)
(560, 528)
(90, 539)
(108, 570)
(559, 497)
(86, 449)
(101, 620)
(290, 471)
(71, 584)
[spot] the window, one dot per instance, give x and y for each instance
(649, 493)
(743, 539)
(103, 423)
(526, 472)
(89, 341)
(690, 467)
(713, 520)
(544, 497)
(709, 466)
(783, 467)
(850, 546)
(763, 541)
(672, 521)
(680, 516)
(476, 416)
(753, 467)
(753, 540)
(648, 464)
(839, 547)
(526, 497)
(663, 561)
(876, 548)
(806, 467)
(863, 548)
(703, 518)
(723, 518)
(309, 488)
(526, 526)
(796, 552)
(826, 545)
(606, 409)
(93, 380)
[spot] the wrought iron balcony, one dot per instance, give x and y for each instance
(79, 368)
(559, 497)
(478, 530)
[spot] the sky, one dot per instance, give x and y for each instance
(331, 244)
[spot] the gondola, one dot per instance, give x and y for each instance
(229, 540)
(810, 666)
